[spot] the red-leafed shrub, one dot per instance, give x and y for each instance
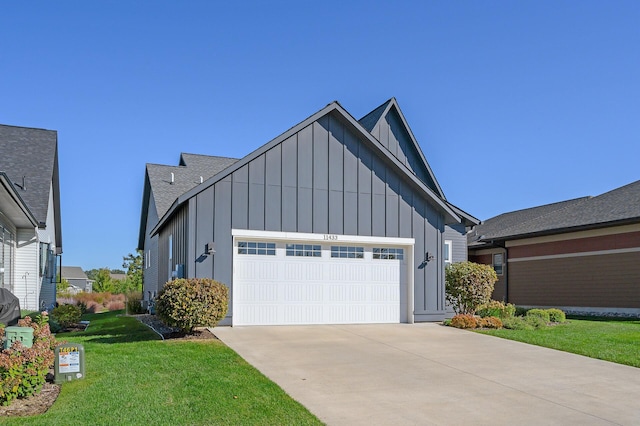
(194, 302)
(23, 370)
(490, 322)
(115, 305)
(464, 321)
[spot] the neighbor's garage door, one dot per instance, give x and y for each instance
(280, 283)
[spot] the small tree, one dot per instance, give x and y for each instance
(193, 302)
(469, 285)
(133, 264)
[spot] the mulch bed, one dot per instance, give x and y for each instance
(40, 403)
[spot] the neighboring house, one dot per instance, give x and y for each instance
(580, 255)
(30, 224)
(334, 221)
(77, 279)
(117, 277)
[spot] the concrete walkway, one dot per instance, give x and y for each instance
(427, 374)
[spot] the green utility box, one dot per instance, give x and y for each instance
(22, 334)
(69, 363)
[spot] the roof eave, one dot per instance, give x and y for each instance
(449, 215)
(13, 193)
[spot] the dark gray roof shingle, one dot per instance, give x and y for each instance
(28, 157)
(616, 206)
(185, 177)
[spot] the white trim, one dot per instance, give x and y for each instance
(601, 232)
(327, 238)
(582, 254)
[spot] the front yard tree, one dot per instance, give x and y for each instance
(469, 285)
(133, 264)
(102, 281)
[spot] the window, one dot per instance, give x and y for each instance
(306, 250)
(448, 252)
(498, 265)
(347, 252)
(388, 253)
(260, 249)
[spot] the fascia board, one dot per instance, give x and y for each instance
(394, 103)
(11, 191)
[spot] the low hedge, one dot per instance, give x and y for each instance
(496, 309)
(23, 370)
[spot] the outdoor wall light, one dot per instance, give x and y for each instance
(209, 249)
(428, 257)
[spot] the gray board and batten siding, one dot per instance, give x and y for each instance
(326, 176)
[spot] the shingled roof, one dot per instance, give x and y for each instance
(619, 206)
(192, 170)
(29, 158)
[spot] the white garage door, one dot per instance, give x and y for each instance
(317, 283)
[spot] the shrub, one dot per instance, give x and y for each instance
(520, 311)
(516, 323)
(66, 315)
(556, 315)
(469, 285)
(490, 322)
(23, 370)
(194, 302)
(83, 306)
(134, 304)
(535, 321)
(496, 309)
(539, 313)
(94, 307)
(464, 321)
(115, 305)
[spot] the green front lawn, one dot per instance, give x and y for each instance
(615, 340)
(134, 378)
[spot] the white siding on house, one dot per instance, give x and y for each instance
(26, 269)
(47, 289)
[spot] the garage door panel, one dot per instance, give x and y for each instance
(302, 292)
(284, 289)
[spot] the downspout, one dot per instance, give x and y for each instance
(506, 264)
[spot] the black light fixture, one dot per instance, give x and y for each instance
(428, 257)
(209, 249)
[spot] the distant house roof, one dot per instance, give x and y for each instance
(118, 277)
(192, 170)
(619, 206)
(73, 273)
(29, 157)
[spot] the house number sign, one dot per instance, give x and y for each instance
(330, 237)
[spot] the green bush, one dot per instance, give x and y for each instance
(516, 323)
(495, 308)
(520, 311)
(490, 322)
(134, 304)
(23, 370)
(469, 285)
(66, 315)
(536, 321)
(539, 313)
(464, 321)
(556, 315)
(194, 302)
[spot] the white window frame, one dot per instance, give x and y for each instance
(448, 252)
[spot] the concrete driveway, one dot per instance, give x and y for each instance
(427, 374)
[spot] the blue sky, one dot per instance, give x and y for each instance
(515, 104)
